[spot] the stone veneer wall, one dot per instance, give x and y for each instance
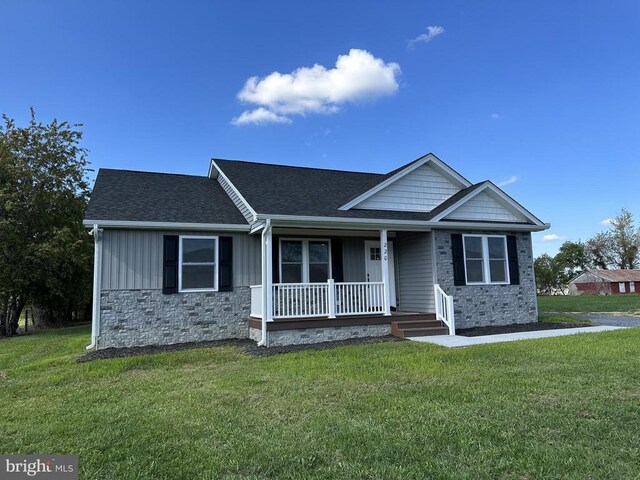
(281, 338)
(483, 305)
(130, 318)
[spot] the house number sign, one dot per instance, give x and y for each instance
(384, 251)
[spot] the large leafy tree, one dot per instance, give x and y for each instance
(45, 254)
(570, 261)
(625, 240)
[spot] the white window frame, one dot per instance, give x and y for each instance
(486, 264)
(632, 287)
(622, 288)
(305, 256)
(215, 265)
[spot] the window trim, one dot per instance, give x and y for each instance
(305, 257)
(622, 287)
(215, 264)
(486, 261)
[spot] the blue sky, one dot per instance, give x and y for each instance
(546, 94)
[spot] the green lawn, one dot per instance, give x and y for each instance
(565, 407)
(589, 303)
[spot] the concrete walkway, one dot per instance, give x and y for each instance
(460, 341)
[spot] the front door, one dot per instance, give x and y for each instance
(373, 265)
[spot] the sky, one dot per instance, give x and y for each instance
(543, 97)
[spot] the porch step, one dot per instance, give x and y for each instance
(418, 328)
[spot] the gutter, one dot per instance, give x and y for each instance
(97, 277)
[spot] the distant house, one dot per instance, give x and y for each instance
(288, 255)
(606, 282)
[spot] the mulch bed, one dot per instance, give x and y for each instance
(266, 352)
(515, 328)
(151, 349)
(250, 348)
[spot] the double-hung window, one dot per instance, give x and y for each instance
(485, 259)
(304, 261)
(198, 260)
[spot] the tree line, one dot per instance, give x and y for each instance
(45, 252)
(615, 248)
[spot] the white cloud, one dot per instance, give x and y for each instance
(496, 116)
(357, 76)
(553, 237)
(606, 222)
(259, 116)
(509, 181)
(432, 32)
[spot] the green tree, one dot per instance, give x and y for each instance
(546, 274)
(44, 251)
(570, 261)
(625, 240)
(599, 251)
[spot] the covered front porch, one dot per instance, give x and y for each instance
(366, 283)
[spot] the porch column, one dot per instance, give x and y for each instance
(384, 261)
(266, 280)
(267, 286)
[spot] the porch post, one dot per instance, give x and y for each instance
(266, 281)
(268, 286)
(384, 260)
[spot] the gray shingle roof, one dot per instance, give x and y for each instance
(126, 195)
(286, 190)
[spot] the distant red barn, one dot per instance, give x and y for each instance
(606, 282)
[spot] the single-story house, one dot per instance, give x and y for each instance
(289, 255)
(605, 282)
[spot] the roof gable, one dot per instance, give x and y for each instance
(418, 186)
(487, 203)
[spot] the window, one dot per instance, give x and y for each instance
(304, 261)
(485, 259)
(621, 287)
(374, 252)
(198, 259)
(632, 287)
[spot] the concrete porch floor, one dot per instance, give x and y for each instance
(460, 341)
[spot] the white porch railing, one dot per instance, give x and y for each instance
(356, 298)
(256, 301)
(330, 299)
(444, 309)
(300, 300)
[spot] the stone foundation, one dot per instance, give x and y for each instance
(484, 305)
(300, 336)
(132, 318)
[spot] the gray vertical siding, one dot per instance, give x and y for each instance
(132, 259)
(236, 199)
(415, 272)
(353, 259)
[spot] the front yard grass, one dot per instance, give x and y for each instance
(589, 303)
(565, 407)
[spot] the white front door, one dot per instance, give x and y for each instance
(373, 265)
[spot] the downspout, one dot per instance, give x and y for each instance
(266, 231)
(97, 276)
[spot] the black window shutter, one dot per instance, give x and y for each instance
(457, 250)
(170, 264)
(336, 260)
(275, 258)
(512, 253)
(225, 264)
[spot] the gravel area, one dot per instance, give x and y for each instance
(610, 319)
